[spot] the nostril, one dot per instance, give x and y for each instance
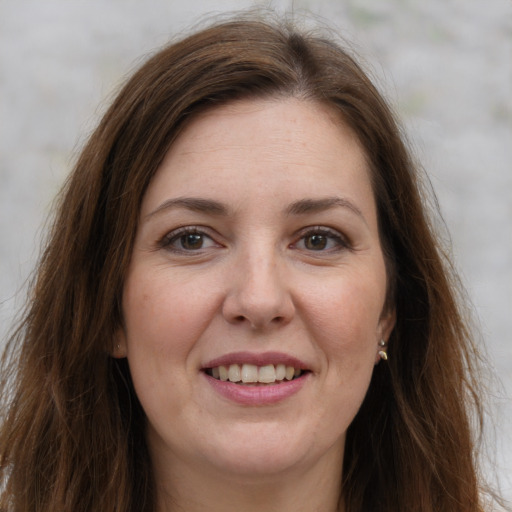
(240, 319)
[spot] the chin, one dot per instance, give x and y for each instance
(263, 451)
(257, 465)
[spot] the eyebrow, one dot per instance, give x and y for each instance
(301, 207)
(305, 206)
(196, 204)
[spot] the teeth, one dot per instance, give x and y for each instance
(280, 372)
(250, 373)
(234, 373)
(223, 373)
(267, 373)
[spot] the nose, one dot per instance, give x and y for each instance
(259, 294)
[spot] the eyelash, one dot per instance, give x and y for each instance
(330, 235)
(174, 236)
(340, 241)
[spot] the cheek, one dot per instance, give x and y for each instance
(345, 306)
(344, 318)
(164, 316)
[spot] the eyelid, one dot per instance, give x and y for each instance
(166, 241)
(343, 243)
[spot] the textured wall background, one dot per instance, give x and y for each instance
(445, 64)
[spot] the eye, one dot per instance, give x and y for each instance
(321, 240)
(187, 239)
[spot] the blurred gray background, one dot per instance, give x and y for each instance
(445, 65)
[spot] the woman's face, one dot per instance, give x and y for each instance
(257, 257)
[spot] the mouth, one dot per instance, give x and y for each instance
(253, 375)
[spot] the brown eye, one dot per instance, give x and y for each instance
(191, 241)
(315, 242)
(322, 239)
(187, 240)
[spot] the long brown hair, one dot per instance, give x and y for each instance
(72, 435)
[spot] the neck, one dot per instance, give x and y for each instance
(184, 489)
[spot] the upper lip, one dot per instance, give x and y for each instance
(257, 359)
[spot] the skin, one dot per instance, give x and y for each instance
(261, 276)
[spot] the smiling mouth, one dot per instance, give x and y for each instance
(254, 375)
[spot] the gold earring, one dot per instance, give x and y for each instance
(382, 353)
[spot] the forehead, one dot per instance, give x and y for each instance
(265, 123)
(252, 147)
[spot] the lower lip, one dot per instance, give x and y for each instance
(257, 395)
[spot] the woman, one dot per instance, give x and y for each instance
(242, 303)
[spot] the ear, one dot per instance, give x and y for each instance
(386, 325)
(119, 350)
